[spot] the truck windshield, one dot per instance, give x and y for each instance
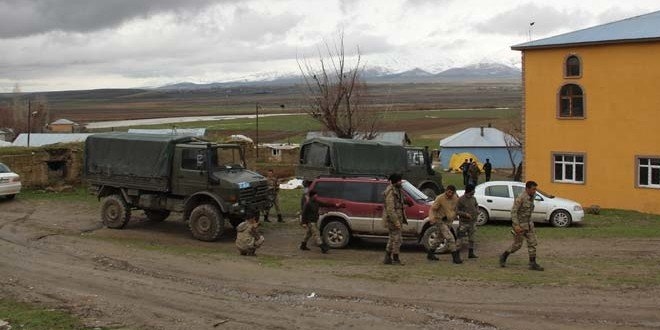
(228, 158)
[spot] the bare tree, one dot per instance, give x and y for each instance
(336, 93)
(514, 137)
(15, 116)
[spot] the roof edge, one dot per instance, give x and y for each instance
(582, 44)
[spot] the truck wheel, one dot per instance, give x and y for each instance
(157, 215)
(336, 235)
(430, 192)
(206, 223)
(115, 213)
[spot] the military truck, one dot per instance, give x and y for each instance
(207, 182)
(327, 156)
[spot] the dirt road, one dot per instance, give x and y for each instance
(155, 276)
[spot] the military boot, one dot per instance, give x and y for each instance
(388, 258)
(396, 260)
(456, 257)
(303, 246)
(430, 255)
(533, 265)
(266, 218)
(471, 254)
(324, 248)
(279, 218)
(503, 257)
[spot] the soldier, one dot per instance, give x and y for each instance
(442, 214)
(523, 227)
(248, 238)
(473, 173)
(488, 167)
(309, 219)
(394, 217)
(274, 185)
(464, 170)
(468, 211)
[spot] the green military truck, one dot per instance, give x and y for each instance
(159, 174)
(327, 156)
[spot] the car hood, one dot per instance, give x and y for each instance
(562, 201)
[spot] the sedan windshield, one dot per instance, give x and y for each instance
(4, 168)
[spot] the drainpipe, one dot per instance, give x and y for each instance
(482, 131)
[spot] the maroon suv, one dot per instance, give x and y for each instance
(362, 214)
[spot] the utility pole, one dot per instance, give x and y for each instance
(256, 110)
(29, 116)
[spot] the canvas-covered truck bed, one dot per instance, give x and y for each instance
(137, 161)
(334, 156)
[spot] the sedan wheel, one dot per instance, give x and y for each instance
(560, 218)
(483, 217)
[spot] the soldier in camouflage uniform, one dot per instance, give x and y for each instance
(523, 226)
(309, 218)
(248, 238)
(394, 217)
(274, 185)
(468, 211)
(442, 214)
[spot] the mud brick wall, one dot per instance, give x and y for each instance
(41, 167)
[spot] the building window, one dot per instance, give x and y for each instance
(572, 66)
(648, 172)
(275, 152)
(571, 101)
(568, 168)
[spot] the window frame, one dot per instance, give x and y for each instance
(638, 171)
(580, 66)
(560, 98)
(564, 154)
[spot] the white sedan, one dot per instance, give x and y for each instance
(495, 200)
(10, 182)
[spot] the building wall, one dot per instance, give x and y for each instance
(499, 157)
(40, 167)
(622, 105)
(61, 128)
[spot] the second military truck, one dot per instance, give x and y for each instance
(207, 182)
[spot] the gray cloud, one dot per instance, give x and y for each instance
(20, 18)
(547, 20)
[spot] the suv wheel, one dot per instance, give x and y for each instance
(206, 223)
(430, 237)
(115, 213)
(336, 234)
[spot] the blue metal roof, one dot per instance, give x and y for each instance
(635, 29)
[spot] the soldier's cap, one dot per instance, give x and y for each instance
(469, 188)
(395, 177)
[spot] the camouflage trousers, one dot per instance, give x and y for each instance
(528, 235)
(444, 235)
(251, 245)
(275, 200)
(466, 233)
(312, 231)
(394, 241)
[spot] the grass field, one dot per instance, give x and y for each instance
(24, 316)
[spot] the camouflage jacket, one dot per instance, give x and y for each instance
(247, 235)
(521, 212)
(394, 213)
(467, 206)
(273, 183)
(443, 209)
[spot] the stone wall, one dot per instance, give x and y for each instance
(46, 166)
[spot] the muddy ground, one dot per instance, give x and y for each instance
(155, 276)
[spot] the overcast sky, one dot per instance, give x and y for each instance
(84, 44)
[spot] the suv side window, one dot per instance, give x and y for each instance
(498, 191)
(330, 189)
(360, 192)
(380, 189)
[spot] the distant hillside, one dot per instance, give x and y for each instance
(476, 72)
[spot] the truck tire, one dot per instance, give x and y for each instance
(206, 222)
(115, 213)
(157, 215)
(430, 192)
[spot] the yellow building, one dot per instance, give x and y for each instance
(590, 114)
